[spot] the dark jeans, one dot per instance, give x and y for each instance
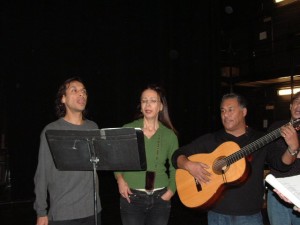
(82, 221)
(221, 219)
(145, 209)
(280, 212)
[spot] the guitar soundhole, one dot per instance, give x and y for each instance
(220, 165)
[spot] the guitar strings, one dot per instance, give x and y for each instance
(248, 149)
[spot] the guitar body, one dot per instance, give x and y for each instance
(206, 194)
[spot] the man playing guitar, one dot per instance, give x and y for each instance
(239, 204)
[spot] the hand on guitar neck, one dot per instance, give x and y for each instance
(289, 133)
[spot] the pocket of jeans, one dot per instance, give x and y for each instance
(133, 196)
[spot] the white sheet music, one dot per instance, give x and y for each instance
(288, 186)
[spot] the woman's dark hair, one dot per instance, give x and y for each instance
(163, 115)
(60, 107)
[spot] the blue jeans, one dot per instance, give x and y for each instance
(280, 212)
(145, 209)
(221, 219)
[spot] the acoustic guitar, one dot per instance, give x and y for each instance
(227, 166)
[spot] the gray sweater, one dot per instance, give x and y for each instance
(71, 193)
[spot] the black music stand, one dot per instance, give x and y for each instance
(106, 149)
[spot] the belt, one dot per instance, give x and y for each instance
(147, 192)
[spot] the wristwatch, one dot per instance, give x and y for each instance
(295, 153)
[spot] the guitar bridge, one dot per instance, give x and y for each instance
(198, 185)
(224, 176)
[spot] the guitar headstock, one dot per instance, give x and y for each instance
(296, 124)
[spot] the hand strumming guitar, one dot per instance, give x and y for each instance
(196, 169)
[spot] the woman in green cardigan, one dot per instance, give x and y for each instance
(145, 196)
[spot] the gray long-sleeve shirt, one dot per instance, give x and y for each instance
(71, 193)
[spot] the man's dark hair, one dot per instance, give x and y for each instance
(297, 95)
(241, 100)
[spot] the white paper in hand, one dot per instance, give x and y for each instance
(288, 186)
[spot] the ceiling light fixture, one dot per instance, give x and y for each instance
(288, 91)
(284, 2)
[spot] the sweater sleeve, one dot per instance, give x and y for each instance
(132, 124)
(202, 144)
(40, 178)
(276, 149)
(173, 147)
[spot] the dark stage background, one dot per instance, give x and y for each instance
(118, 47)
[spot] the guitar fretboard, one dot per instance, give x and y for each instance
(259, 143)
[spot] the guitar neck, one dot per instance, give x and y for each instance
(252, 147)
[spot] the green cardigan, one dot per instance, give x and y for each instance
(165, 142)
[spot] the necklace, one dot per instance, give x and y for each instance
(157, 151)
